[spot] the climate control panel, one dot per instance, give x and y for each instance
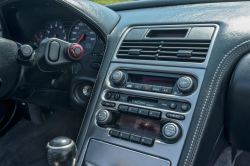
(175, 84)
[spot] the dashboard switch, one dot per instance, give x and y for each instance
(75, 51)
(135, 138)
(123, 108)
(171, 131)
(108, 95)
(133, 110)
(155, 114)
(26, 52)
(124, 135)
(129, 85)
(108, 104)
(184, 107)
(185, 84)
(54, 50)
(143, 112)
(118, 77)
(114, 133)
(147, 141)
(156, 88)
(103, 117)
(173, 105)
(166, 90)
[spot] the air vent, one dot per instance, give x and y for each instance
(165, 50)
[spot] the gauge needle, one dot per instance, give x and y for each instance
(55, 36)
(36, 38)
(80, 39)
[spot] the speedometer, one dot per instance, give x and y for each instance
(55, 30)
(82, 34)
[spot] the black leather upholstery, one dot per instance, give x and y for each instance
(9, 68)
(208, 118)
(237, 113)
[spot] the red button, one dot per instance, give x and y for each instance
(76, 51)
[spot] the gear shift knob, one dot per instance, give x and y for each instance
(61, 151)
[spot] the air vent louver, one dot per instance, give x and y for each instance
(175, 50)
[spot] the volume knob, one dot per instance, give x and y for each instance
(171, 131)
(185, 84)
(118, 77)
(103, 117)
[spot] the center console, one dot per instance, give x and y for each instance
(149, 95)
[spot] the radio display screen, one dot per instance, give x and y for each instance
(152, 80)
(139, 126)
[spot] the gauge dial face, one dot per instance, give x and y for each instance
(38, 37)
(82, 34)
(55, 30)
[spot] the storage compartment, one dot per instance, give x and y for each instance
(104, 154)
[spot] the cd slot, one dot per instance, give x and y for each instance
(142, 101)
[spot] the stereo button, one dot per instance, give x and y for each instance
(135, 138)
(147, 141)
(143, 112)
(184, 107)
(156, 88)
(166, 90)
(173, 105)
(133, 110)
(123, 108)
(175, 116)
(107, 104)
(124, 135)
(114, 133)
(117, 97)
(108, 95)
(155, 114)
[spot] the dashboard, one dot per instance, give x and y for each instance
(159, 96)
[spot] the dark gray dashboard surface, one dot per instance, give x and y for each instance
(233, 18)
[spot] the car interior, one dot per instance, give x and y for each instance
(139, 83)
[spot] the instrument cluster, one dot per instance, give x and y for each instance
(71, 30)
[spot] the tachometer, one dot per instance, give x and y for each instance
(55, 30)
(82, 34)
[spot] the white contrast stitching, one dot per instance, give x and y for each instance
(209, 92)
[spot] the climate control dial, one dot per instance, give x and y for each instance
(118, 77)
(185, 84)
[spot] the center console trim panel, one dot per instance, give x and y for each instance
(160, 149)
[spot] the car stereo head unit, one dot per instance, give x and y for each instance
(176, 84)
